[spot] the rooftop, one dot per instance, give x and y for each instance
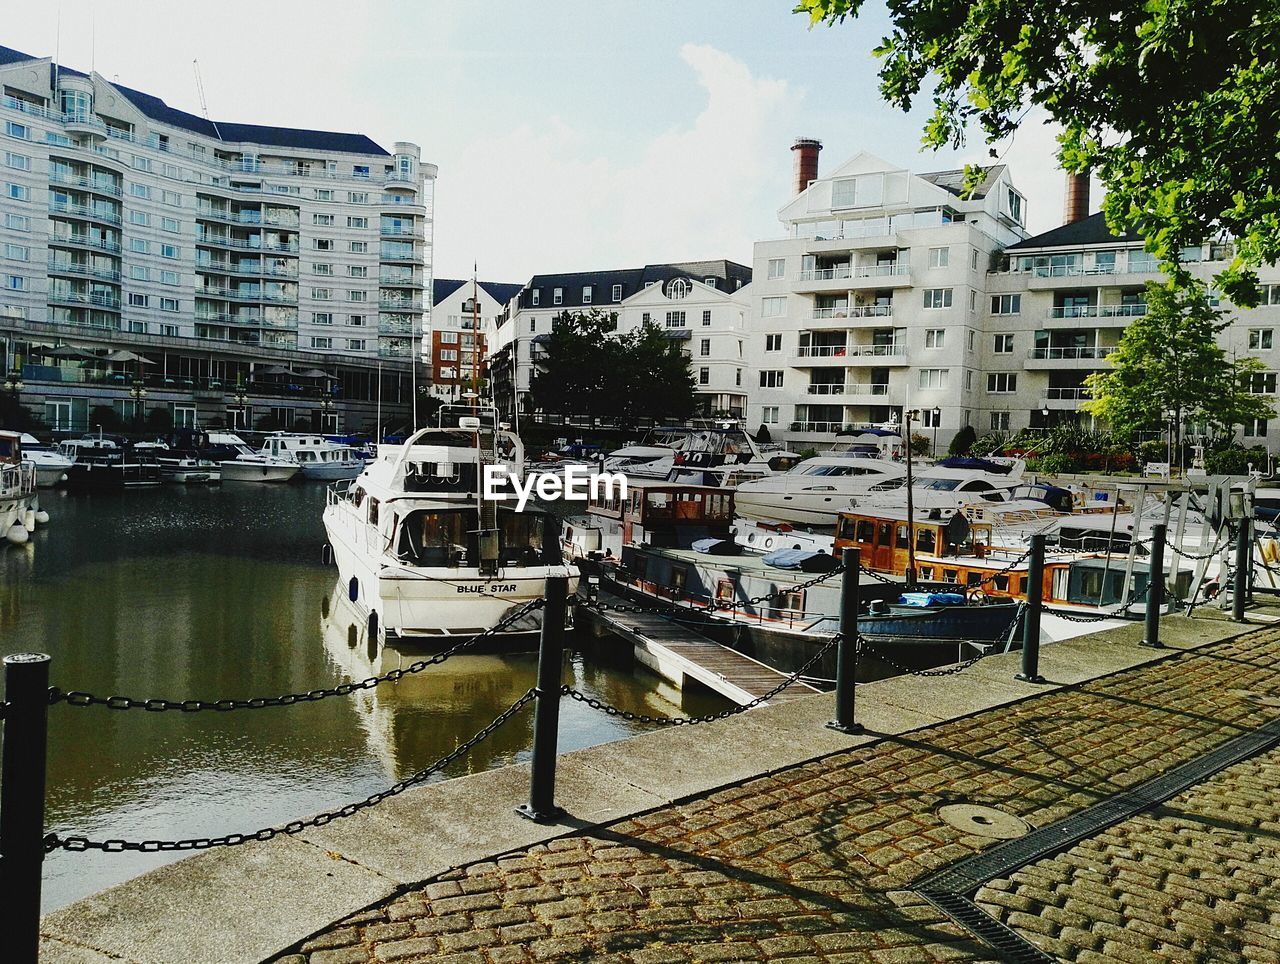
(953, 181)
(229, 132)
(729, 276)
(501, 292)
(1090, 230)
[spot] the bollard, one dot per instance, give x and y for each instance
(847, 647)
(1031, 618)
(1239, 587)
(22, 779)
(1155, 587)
(541, 807)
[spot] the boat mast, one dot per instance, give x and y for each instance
(378, 408)
(907, 415)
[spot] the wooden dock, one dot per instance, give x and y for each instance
(678, 652)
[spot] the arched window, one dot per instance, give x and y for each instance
(678, 288)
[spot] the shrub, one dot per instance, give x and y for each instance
(962, 441)
(1235, 460)
(1057, 464)
(920, 444)
(763, 435)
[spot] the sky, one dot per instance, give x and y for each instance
(569, 135)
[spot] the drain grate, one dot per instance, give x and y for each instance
(1011, 945)
(947, 889)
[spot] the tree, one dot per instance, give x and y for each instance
(1170, 102)
(1169, 361)
(763, 435)
(589, 368)
(962, 441)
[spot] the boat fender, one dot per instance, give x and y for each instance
(373, 628)
(1270, 550)
(29, 520)
(353, 589)
(42, 517)
(17, 534)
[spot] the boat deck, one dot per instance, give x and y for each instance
(679, 652)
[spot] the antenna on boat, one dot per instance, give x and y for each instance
(378, 408)
(475, 335)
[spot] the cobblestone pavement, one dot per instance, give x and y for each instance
(816, 862)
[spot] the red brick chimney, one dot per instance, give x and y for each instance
(1076, 207)
(806, 151)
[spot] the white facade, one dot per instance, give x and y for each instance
(874, 302)
(463, 319)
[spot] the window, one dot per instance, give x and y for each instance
(357, 222)
(1256, 428)
(140, 190)
(769, 414)
(139, 272)
(15, 282)
(973, 260)
(137, 300)
(321, 294)
(1002, 383)
(1016, 205)
(358, 270)
(706, 317)
(17, 252)
(533, 324)
(557, 296)
(704, 347)
(1003, 345)
(319, 342)
(646, 318)
(319, 267)
(140, 218)
(359, 170)
(322, 318)
(999, 421)
(17, 222)
(973, 301)
(535, 295)
(709, 282)
(324, 220)
(324, 194)
(586, 294)
(704, 376)
(19, 162)
(770, 378)
(355, 294)
(355, 321)
(169, 251)
(617, 293)
(675, 319)
(448, 337)
(939, 257)
(169, 277)
(773, 307)
(1006, 304)
(322, 244)
(169, 331)
(359, 247)
(141, 163)
(1263, 383)
(934, 337)
(773, 342)
(14, 129)
(170, 224)
(1269, 295)
(355, 344)
(971, 340)
(1260, 339)
(777, 268)
(933, 377)
(171, 198)
(968, 381)
(358, 197)
(737, 377)
(931, 419)
(17, 192)
(168, 304)
(937, 297)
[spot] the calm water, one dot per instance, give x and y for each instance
(220, 592)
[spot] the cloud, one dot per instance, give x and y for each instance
(550, 197)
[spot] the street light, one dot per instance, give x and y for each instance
(937, 417)
(240, 400)
(1044, 414)
(138, 393)
(13, 383)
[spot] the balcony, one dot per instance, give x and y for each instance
(97, 300)
(394, 351)
(84, 211)
(400, 281)
(403, 231)
(399, 304)
(816, 428)
(826, 388)
(91, 184)
(82, 270)
(84, 241)
(811, 355)
(1061, 275)
(389, 327)
(396, 181)
(254, 244)
(844, 277)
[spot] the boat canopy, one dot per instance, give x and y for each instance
(804, 560)
(976, 464)
(715, 547)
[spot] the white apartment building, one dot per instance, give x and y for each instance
(875, 300)
(464, 316)
(232, 257)
(1057, 305)
(704, 304)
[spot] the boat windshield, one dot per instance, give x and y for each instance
(448, 537)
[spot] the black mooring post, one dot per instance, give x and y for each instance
(1239, 588)
(546, 717)
(26, 732)
(847, 646)
(1031, 618)
(1155, 587)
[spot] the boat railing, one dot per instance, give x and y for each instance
(18, 480)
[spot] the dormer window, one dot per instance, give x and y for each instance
(678, 288)
(535, 296)
(586, 294)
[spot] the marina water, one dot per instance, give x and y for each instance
(220, 592)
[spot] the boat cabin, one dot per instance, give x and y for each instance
(450, 537)
(666, 514)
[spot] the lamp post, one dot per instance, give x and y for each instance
(13, 386)
(907, 416)
(1044, 414)
(138, 393)
(326, 412)
(937, 417)
(239, 400)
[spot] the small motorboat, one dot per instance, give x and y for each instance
(238, 463)
(51, 465)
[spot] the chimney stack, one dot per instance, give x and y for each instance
(806, 169)
(1077, 198)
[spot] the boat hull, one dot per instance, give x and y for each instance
(131, 476)
(49, 475)
(332, 471)
(246, 471)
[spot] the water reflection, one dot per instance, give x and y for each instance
(211, 593)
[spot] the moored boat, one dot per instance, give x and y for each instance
(51, 465)
(107, 462)
(20, 510)
(317, 457)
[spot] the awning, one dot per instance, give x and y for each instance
(128, 356)
(69, 352)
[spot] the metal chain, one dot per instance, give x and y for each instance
(865, 646)
(1194, 557)
(156, 705)
(712, 605)
(1120, 610)
(55, 841)
(611, 710)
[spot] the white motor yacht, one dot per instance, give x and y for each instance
(317, 457)
(423, 556)
(19, 502)
(950, 483)
(51, 465)
(239, 463)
